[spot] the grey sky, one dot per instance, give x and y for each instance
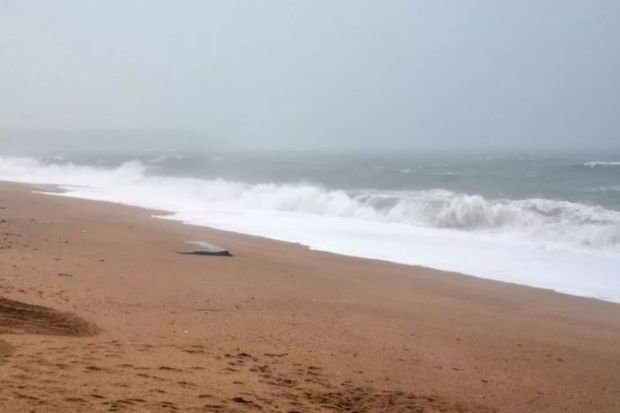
(293, 74)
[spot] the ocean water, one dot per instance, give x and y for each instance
(550, 222)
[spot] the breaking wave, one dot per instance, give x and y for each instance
(535, 220)
(565, 246)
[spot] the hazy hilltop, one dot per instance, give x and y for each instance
(58, 142)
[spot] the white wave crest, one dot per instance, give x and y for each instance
(594, 164)
(164, 158)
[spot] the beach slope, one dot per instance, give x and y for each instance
(98, 312)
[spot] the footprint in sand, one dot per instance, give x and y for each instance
(5, 349)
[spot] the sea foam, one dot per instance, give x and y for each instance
(569, 247)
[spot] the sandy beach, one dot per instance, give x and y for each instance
(98, 312)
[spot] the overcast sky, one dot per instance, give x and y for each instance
(332, 74)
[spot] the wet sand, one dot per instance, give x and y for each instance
(99, 313)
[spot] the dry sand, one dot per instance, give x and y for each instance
(98, 313)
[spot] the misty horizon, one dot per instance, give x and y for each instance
(51, 142)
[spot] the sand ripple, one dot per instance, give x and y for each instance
(21, 318)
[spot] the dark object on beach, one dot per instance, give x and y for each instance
(223, 253)
(207, 249)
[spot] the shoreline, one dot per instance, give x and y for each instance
(281, 326)
(56, 190)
